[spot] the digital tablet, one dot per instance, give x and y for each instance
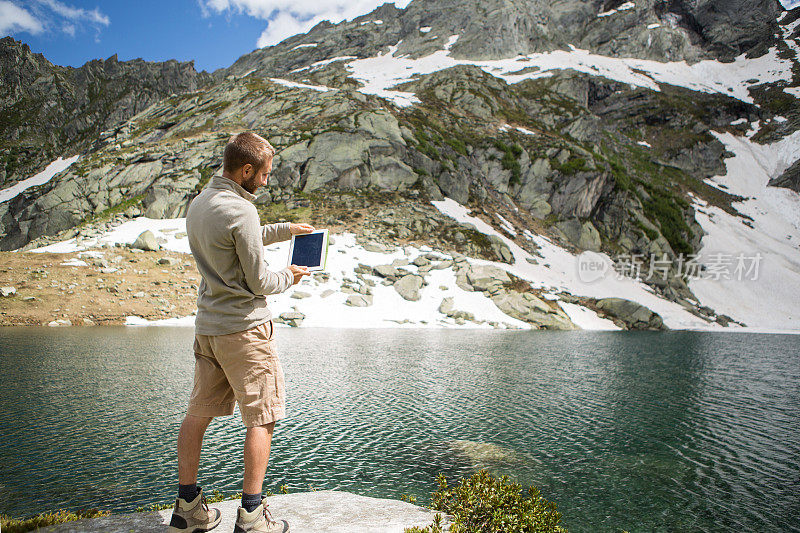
(309, 249)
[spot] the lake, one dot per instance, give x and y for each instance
(642, 431)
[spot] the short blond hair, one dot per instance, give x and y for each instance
(246, 148)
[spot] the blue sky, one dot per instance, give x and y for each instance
(213, 33)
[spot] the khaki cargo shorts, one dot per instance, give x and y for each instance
(239, 367)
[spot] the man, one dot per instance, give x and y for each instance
(235, 360)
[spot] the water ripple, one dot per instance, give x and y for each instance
(643, 431)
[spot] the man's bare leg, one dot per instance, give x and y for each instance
(190, 442)
(257, 443)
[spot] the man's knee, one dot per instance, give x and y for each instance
(198, 420)
(269, 427)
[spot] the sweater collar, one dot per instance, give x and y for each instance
(220, 182)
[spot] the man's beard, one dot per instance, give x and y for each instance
(251, 184)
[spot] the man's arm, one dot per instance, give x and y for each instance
(271, 233)
(248, 235)
(277, 232)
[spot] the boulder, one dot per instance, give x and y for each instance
(6, 292)
(387, 271)
(634, 315)
(373, 246)
(299, 295)
(486, 277)
(501, 249)
(408, 287)
(146, 241)
(60, 323)
(528, 308)
(359, 300)
(292, 318)
(582, 234)
(447, 306)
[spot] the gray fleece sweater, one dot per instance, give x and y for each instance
(227, 240)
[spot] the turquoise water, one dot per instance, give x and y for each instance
(643, 431)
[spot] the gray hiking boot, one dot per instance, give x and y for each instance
(259, 521)
(194, 516)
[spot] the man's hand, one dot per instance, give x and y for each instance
(298, 272)
(299, 229)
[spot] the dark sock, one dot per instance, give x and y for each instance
(188, 492)
(250, 501)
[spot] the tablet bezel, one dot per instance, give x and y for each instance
(323, 259)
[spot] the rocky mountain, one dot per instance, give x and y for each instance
(47, 110)
(596, 124)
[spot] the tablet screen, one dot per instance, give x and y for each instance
(307, 249)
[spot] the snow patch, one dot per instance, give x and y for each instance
(287, 83)
(557, 271)
(319, 64)
(59, 165)
(770, 301)
(624, 7)
(425, 29)
(386, 70)
(585, 318)
(306, 45)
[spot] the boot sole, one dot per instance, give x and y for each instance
(173, 529)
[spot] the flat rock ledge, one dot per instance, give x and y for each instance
(323, 511)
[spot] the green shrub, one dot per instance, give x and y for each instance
(486, 504)
(509, 160)
(12, 525)
(667, 209)
(572, 166)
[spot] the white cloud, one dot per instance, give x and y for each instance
(48, 15)
(290, 17)
(76, 14)
(15, 19)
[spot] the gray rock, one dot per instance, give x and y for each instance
(308, 512)
(292, 318)
(486, 277)
(169, 261)
(359, 300)
(146, 241)
(373, 246)
(326, 293)
(447, 306)
(6, 292)
(501, 249)
(387, 271)
(789, 179)
(60, 323)
(408, 287)
(634, 315)
(299, 295)
(582, 234)
(528, 308)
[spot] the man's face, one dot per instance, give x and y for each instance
(255, 179)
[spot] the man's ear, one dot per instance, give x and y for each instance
(247, 170)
